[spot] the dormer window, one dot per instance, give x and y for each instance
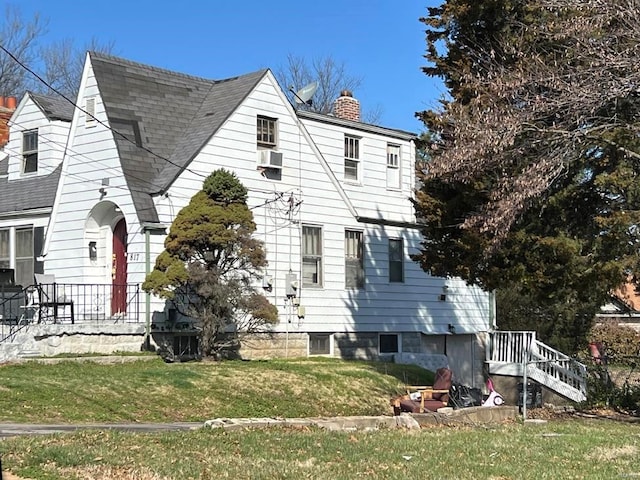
(30, 151)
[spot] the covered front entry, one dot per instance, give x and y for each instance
(106, 237)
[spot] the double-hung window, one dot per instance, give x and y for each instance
(24, 256)
(311, 256)
(5, 253)
(396, 264)
(267, 130)
(393, 166)
(30, 151)
(351, 158)
(353, 259)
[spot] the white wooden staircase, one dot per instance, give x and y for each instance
(509, 353)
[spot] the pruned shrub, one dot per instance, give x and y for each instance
(620, 342)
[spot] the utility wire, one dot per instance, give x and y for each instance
(53, 89)
(76, 154)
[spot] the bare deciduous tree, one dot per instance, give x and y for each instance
(332, 77)
(63, 63)
(20, 37)
(59, 64)
(557, 89)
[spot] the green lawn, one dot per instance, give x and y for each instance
(571, 449)
(146, 391)
(154, 391)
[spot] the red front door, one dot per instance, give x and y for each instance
(119, 269)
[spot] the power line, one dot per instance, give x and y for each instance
(85, 179)
(76, 154)
(53, 89)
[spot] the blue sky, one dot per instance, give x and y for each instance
(381, 41)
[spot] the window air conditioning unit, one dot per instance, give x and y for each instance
(270, 159)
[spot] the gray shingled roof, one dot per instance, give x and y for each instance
(55, 108)
(28, 193)
(166, 117)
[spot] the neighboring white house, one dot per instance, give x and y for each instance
(29, 173)
(330, 196)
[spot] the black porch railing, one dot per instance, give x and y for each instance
(69, 303)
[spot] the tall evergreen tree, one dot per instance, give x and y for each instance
(209, 264)
(532, 185)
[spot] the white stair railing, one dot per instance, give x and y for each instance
(546, 365)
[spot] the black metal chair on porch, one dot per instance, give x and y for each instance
(52, 297)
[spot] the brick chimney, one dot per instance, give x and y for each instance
(347, 107)
(7, 107)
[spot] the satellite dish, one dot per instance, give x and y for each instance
(305, 94)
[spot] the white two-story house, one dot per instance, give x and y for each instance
(330, 196)
(30, 168)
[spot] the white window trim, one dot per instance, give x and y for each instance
(357, 158)
(25, 153)
(90, 109)
(267, 145)
(402, 259)
(398, 335)
(320, 283)
(394, 166)
(331, 345)
(362, 250)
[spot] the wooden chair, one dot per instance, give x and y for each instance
(51, 297)
(420, 399)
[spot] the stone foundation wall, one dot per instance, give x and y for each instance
(274, 346)
(50, 340)
(508, 387)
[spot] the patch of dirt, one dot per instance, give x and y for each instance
(11, 476)
(560, 413)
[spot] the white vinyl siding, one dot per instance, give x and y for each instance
(311, 256)
(353, 259)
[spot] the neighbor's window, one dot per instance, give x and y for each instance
(267, 132)
(393, 166)
(24, 256)
(388, 343)
(5, 254)
(311, 256)
(396, 265)
(319, 344)
(30, 151)
(353, 259)
(351, 158)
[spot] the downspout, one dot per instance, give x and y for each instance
(147, 296)
(148, 229)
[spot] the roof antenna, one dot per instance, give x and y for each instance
(305, 94)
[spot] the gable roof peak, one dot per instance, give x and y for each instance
(163, 118)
